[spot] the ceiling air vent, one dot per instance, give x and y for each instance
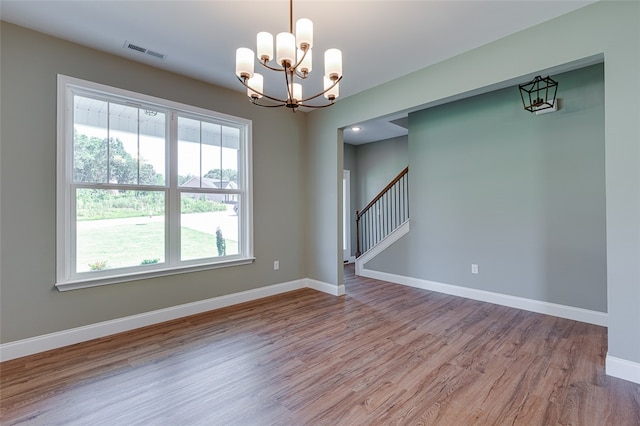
(156, 54)
(137, 48)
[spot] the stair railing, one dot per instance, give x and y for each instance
(386, 212)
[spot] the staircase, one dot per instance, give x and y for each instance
(384, 220)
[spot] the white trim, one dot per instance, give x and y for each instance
(59, 339)
(346, 214)
(139, 275)
(547, 308)
(67, 275)
(382, 245)
(325, 287)
(623, 369)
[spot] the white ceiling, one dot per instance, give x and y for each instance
(380, 40)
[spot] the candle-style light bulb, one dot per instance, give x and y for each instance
(244, 62)
(255, 84)
(285, 48)
(264, 46)
(333, 93)
(305, 66)
(333, 64)
(304, 33)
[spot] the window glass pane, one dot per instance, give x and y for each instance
(211, 155)
(90, 136)
(123, 144)
(117, 229)
(208, 226)
(152, 147)
(230, 156)
(188, 152)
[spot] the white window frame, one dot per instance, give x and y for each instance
(66, 276)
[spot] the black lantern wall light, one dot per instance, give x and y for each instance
(539, 94)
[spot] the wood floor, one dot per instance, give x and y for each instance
(383, 354)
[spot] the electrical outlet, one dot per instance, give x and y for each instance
(276, 265)
(474, 268)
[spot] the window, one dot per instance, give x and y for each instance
(147, 187)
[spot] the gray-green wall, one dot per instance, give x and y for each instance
(522, 196)
(605, 29)
(378, 163)
(29, 304)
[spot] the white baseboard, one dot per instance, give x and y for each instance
(325, 287)
(623, 369)
(562, 311)
(72, 336)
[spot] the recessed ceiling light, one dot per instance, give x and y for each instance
(356, 128)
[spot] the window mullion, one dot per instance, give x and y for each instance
(220, 155)
(108, 177)
(173, 200)
(138, 145)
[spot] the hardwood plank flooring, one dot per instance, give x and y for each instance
(383, 354)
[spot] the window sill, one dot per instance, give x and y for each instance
(115, 279)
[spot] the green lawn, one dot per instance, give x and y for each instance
(130, 244)
(196, 244)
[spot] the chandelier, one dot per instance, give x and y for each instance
(294, 59)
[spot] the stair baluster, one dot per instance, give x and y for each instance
(384, 213)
